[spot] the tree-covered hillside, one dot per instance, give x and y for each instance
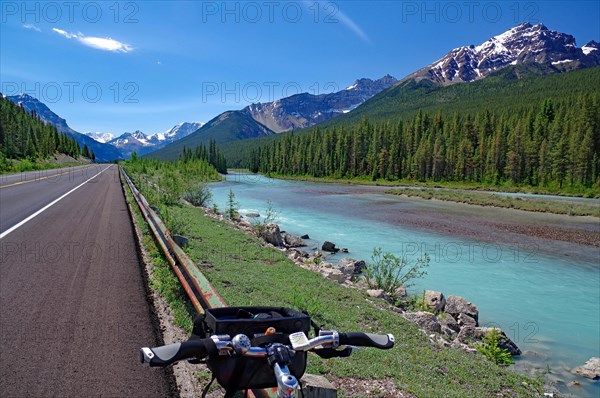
(554, 143)
(25, 136)
(510, 91)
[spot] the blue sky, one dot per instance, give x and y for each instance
(148, 65)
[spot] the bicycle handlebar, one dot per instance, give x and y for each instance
(380, 341)
(169, 354)
(200, 348)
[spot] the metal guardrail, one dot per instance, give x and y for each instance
(198, 289)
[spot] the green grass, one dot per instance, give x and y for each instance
(162, 280)
(21, 166)
(245, 273)
(593, 192)
(486, 199)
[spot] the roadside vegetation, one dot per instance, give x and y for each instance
(247, 273)
(514, 202)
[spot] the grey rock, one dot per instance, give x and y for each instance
(352, 266)
(465, 320)
(329, 247)
(449, 322)
(376, 293)
(271, 234)
(426, 321)
(467, 335)
(318, 386)
(435, 300)
(333, 274)
(293, 240)
(400, 291)
(305, 236)
(252, 215)
(456, 305)
(470, 335)
(344, 250)
(504, 342)
(590, 370)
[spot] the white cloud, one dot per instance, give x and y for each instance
(350, 24)
(337, 15)
(106, 44)
(32, 27)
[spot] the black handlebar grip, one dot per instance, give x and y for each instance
(382, 341)
(168, 354)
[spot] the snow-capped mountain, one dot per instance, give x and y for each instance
(525, 43)
(590, 47)
(100, 137)
(103, 152)
(136, 138)
(304, 110)
(142, 144)
(178, 131)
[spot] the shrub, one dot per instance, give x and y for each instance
(492, 351)
(270, 216)
(388, 272)
(199, 196)
(232, 206)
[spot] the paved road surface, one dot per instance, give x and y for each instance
(73, 309)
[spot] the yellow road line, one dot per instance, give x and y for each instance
(37, 179)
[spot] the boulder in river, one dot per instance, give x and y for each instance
(590, 370)
(252, 215)
(271, 234)
(329, 247)
(503, 341)
(305, 236)
(292, 240)
(456, 305)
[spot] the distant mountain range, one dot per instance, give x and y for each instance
(523, 44)
(289, 113)
(305, 110)
(534, 47)
(105, 146)
(100, 137)
(141, 143)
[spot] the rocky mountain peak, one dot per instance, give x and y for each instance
(524, 43)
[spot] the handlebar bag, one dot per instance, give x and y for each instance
(240, 373)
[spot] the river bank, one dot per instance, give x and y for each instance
(488, 199)
(473, 254)
(593, 192)
(245, 272)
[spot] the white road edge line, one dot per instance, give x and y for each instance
(40, 211)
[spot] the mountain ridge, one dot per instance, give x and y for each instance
(271, 118)
(524, 43)
(103, 152)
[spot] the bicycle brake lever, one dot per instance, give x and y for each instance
(327, 353)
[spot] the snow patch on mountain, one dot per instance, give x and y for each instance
(100, 137)
(525, 43)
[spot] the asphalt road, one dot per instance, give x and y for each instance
(73, 309)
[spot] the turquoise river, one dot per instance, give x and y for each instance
(543, 292)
